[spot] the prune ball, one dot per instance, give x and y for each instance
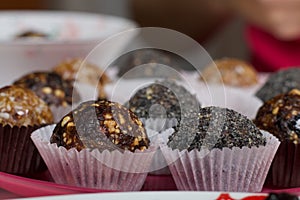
(50, 87)
(281, 116)
(102, 125)
(281, 196)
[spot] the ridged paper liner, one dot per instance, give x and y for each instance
(234, 170)
(18, 154)
(106, 170)
(285, 168)
(163, 129)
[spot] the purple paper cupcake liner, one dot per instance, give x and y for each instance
(18, 154)
(285, 168)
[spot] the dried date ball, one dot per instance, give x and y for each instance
(281, 196)
(279, 82)
(230, 71)
(84, 72)
(50, 87)
(217, 128)
(163, 99)
(21, 107)
(281, 116)
(102, 125)
(151, 62)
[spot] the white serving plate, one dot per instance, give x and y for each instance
(151, 196)
(71, 34)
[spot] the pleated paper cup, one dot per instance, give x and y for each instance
(162, 129)
(122, 171)
(18, 154)
(284, 170)
(233, 170)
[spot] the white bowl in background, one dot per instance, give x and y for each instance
(71, 34)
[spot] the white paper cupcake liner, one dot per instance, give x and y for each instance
(159, 124)
(233, 170)
(93, 169)
(162, 130)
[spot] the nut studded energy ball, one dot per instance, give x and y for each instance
(281, 116)
(89, 74)
(230, 71)
(163, 99)
(103, 125)
(280, 82)
(149, 62)
(217, 128)
(50, 87)
(21, 107)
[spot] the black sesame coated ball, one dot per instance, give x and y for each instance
(280, 82)
(102, 125)
(163, 99)
(217, 128)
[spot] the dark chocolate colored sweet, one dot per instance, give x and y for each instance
(281, 116)
(217, 128)
(280, 82)
(50, 87)
(163, 99)
(150, 62)
(281, 196)
(84, 72)
(21, 107)
(103, 125)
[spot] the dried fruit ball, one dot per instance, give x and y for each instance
(281, 196)
(281, 116)
(230, 71)
(103, 125)
(163, 99)
(50, 87)
(280, 82)
(21, 107)
(84, 72)
(217, 128)
(151, 62)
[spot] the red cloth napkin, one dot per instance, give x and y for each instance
(270, 54)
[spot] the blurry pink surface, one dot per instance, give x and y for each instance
(270, 54)
(16, 186)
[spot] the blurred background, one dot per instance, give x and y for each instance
(217, 32)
